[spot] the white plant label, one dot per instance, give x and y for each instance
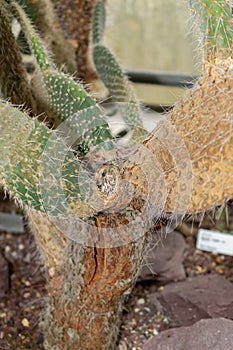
(215, 242)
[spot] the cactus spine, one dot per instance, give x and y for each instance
(67, 99)
(87, 285)
(43, 15)
(214, 21)
(26, 168)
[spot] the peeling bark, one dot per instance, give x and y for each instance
(86, 288)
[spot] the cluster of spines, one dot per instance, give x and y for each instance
(30, 156)
(214, 19)
(65, 97)
(37, 47)
(77, 109)
(112, 75)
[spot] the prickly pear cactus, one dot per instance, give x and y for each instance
(66, 98)
(184, 165)
(112, 75)
(28, 172)
(214, 23)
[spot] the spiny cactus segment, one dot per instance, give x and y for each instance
(67, 99)
(13, 79)
(214, 19)
(31, 156)
(36, 45)
(98, 26)
(113, 77)
(80, 112)
(119, 88)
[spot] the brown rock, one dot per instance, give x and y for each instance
(196, 298)
(212, 334)
(165, 260)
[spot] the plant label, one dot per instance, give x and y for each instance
(215, 242)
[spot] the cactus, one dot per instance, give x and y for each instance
(26, 170)
(44, 18)
(30, 167)
(214, 21)
(112, 75)
(98, 23)
(67, 99)
(184, 165)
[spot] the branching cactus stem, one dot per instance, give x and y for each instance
(64, 96)
(91, 218)
(97, 295)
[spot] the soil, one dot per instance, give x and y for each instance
(21, 305)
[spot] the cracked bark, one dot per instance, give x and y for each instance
(86, 287)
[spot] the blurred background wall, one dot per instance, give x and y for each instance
(153, 34)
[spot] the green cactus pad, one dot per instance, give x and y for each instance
(81, 113)
(98, 25)
(113, 77)
(65, 97)
(38, 168)
(36, 44)
(214, 18)
(120, 89)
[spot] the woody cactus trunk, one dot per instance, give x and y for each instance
(91, 201)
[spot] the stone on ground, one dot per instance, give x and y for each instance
(205, 296)
(208, 334)
(164, 261)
